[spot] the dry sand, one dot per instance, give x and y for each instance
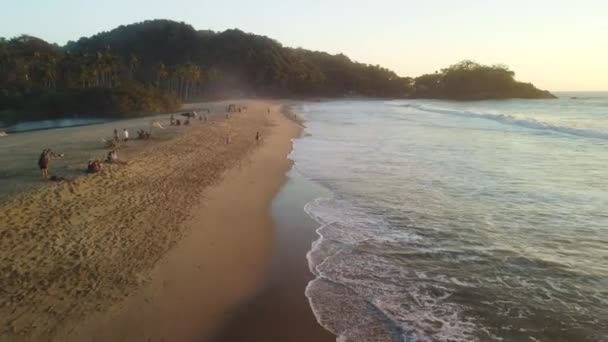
(80, 261)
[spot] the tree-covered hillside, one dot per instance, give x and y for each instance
(468, 80)
(154, 65)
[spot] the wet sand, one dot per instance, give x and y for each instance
(280, 311)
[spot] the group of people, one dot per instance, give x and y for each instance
(93, 166)
(125, 135)
(97, 165)
(188, 116)
(178, 122)
(143, 134)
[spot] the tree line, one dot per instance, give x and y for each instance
(152, 66)
(468, 80)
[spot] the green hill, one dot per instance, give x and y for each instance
(154, 65)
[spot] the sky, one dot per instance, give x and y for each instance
(557, 45)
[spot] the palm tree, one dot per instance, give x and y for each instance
(193, 76)
(161, 73)
(133, 65)
(49, 74)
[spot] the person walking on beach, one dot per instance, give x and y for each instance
(257, 137)
(116, 138)
(125, 134)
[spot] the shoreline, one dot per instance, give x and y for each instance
(280, 310)
(158, 279)
(192, 288)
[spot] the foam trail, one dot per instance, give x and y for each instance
(512, 120)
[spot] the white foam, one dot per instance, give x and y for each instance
(513, 120)
(374, 301)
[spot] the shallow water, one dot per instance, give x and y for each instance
(27, 126)
(460, 221)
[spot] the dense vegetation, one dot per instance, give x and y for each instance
(468, 80)
(154, 65)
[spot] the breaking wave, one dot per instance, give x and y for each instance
(513, 120)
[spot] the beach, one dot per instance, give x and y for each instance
(163, 249)
(280, 311)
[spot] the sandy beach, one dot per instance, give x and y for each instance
(280, 311)
(162, 249)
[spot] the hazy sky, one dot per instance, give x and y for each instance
(557, 44)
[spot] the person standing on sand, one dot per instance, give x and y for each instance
(257, 137)
(43, 162)
(116, 138)
(125, 134)
(45, 159)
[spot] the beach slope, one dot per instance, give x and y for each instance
(156, 250)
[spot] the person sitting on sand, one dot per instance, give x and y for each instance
(94, 166)
(91, 167)
(112, 156)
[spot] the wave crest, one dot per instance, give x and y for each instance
(512, 120)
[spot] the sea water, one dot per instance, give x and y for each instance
(459, 221)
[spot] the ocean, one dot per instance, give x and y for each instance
(459, 221)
